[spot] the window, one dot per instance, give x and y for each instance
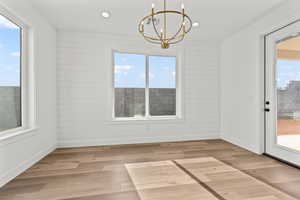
(162, 86)
(144, 86)
(10, 74)
(130, 84)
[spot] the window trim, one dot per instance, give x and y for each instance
(27, 79)
(148, 117)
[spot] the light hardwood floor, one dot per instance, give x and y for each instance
(164, 180)
(99, 173)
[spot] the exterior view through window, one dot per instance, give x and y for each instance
(10, 74)
(144, 86)
(288, 93)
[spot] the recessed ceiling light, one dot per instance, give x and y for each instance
(105, 14)
(196, 24)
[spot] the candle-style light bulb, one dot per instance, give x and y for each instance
(153, 5)
(182, 6)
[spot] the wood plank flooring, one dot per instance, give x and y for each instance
(228, 182)
(164, 180)
(99, 173)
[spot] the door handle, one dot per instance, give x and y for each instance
(267, 109)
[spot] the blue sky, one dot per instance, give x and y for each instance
(287, 70)
(130, 70)
(9, 53)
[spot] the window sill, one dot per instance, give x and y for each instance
(13, 133)
(153, 120)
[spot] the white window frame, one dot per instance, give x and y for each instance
(147, 116)
(27, 79)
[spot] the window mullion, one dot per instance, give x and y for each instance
(147, 88)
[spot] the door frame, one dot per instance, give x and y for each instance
(264, 41)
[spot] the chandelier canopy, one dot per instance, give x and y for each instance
(165, 37)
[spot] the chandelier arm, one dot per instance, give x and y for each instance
(190, 22)
(158, 41)
(150, 38)
(180, 38)
(177, 41)
(146, 37)
(152, 41)
(177, 12)
(141, 30)
(155, 29)
(175, 35)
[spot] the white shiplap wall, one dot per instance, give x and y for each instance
(84, 92)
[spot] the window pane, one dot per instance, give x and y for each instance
(162, 85)
(288, 93)
(10, 73)
(130, 83)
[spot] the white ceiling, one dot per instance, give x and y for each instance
(217, 18)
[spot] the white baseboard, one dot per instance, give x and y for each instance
(99, 142)
(241, 144)
(14, 172)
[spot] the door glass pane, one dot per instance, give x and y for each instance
(162, 85)
(130, 83)
(10, 73)
(288, 92)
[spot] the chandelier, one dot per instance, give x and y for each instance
(165, 37)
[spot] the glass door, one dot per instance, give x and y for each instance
(283, 94)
